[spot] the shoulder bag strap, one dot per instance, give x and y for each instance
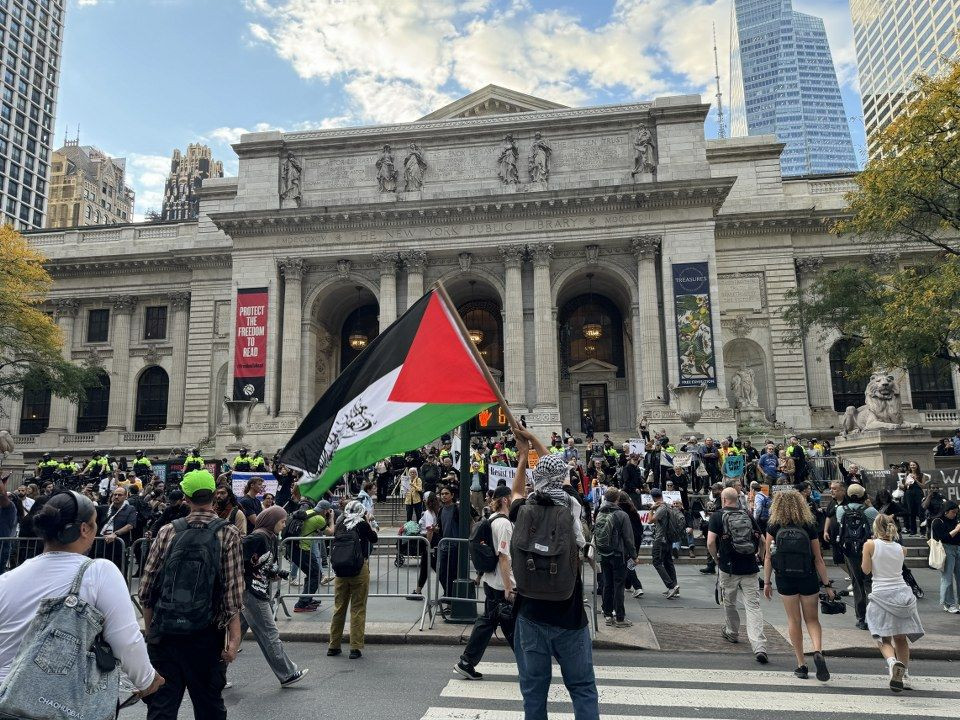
(75, 586)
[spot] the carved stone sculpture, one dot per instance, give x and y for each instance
(643, 152)
(6, 443)
(744, 388)
(539, 164)
(882, 409)
(386, 171)
(507, 162)
(343, 269)
(291, 182)
(465, 260)
(414, 167)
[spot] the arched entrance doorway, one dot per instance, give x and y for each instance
(480, 304)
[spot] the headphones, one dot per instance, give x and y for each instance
(70, 532)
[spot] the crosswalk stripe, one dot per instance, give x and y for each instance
(756, 699)
(758, 678)
(442, 713)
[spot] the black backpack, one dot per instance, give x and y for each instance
(674, 525)
(346, 552)
(855, 530)
(191, 573)
(738, 531)
(794, 555)
(483, 554)
(295, 523)
(544, 552)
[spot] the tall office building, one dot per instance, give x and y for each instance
(187, 173)
(31, 33)
(783, 82)
(88, 187)
(895, 40)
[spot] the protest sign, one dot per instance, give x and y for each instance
(682, 459)
(496, 473)
(239, 481)
(638, 446)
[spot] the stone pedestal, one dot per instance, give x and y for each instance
(876, 449)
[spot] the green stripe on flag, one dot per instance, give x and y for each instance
(418, 428)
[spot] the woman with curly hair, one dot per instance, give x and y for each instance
(793, 552)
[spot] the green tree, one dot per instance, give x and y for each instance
(30, 341)
(913, 189)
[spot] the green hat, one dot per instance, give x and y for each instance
(196, 481)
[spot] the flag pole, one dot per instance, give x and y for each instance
(442, 291)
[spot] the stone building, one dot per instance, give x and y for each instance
(600, 257)
(88, 187)
(181, 198)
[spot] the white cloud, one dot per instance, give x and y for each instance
(87, 3)
(146, 174)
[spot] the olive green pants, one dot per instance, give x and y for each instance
(350, 592)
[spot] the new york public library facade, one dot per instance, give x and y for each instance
(599, 256)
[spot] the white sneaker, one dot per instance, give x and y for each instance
(674, 591)
(907, 685)
(638, 593)
(954, 609)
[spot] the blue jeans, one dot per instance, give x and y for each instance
(535, 646)
(951, 571)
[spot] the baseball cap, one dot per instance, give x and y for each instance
(198, 481)
(501, 491)
(655, 492)
(856, 490)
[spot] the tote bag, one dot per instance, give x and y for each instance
(937, 556)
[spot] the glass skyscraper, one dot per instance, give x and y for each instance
(895, 40)
(783, 83)
(31, 36)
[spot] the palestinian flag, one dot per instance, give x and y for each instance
(415, 381)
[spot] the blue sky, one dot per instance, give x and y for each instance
(141, 77)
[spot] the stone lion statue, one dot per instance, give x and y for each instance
(882, 409)
(6, 443)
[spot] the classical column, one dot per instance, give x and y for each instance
(292, 269)
(545, 331)
(650, 388)
(514, 381)
(388, 290)
(416, 262)
(66, 316)
(123, 306)
(180, 307)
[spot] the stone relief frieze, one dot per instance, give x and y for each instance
(386, 171)
(538, 165)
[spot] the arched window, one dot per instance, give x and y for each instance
(359, 330)
(485, 324)
(590, 327)
(35, 411)
(152, 389)
(847, 390)
(931, 386)
(92, 415)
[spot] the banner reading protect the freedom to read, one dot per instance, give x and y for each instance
(691, 302)
(250, 345)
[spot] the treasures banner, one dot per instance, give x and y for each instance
(691, 302)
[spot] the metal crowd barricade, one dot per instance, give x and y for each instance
(15, 551)
(447, 573)
(137, 556)
(388, 577)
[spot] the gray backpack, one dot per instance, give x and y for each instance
(604, 535)
(63, 670)
(543, 551)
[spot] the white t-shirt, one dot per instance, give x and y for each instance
(502, 530)
(28, 503)
(427, 520)
(50, 575)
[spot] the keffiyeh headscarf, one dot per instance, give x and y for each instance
(548, 478)
(353, 514)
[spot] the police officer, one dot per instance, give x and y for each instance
(68, 467)
(47, 467)
(97, 466)
(258, 463)
(193, 462)
(142, 467)
(242, 462)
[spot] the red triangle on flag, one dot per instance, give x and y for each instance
(439, 368)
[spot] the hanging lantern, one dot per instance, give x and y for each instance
(591, 330)
(476, 336)
(357, 340)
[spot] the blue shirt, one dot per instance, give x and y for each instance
(870, 513)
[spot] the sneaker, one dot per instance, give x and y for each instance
(692, 552)
(415, 596)
(327, 580)
(674, 591)
(333, 652)
(667, 591)
(729, 636)
(907, 684)
(608, 620)
(822, 673)
(623, 623)
(952, 609)
(295, 678)
(762, 658)
(355, 654)
(801, 672)
(861, 625)
(897, 671)
(675, 552)
(638, 593)
(306, 608)
(467, 670)
(707, 570)
(227, 685)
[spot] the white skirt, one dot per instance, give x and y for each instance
(893, 611)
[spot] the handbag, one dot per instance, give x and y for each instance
(64, 669)
(937, 556)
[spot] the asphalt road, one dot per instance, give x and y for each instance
(417, 683)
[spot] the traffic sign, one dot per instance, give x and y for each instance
(490, 420)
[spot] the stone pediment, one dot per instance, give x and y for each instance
(491, 100)
(594, 367)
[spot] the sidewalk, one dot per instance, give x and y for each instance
(691, 622)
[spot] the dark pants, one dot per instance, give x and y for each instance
(190, 663)
(663, 563)
(307, 562)
(414, 511)
(861, 586)
(487, 624)
(447, 568)
(913, 502)
(614, 571)
(383, 486)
